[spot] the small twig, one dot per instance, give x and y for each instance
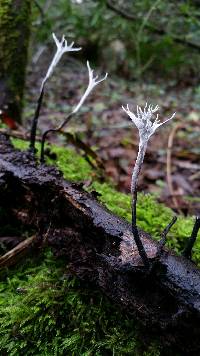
(11, 256)
(169, 164)
(18, 134)
(77, 142)
(187, 252)
(40, 9)
(139, 37)
(38, 53)
(163, 239)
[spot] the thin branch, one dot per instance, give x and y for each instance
(161, 32)
(13, 255)
(169, 164)
(17, 134)
(40, 9)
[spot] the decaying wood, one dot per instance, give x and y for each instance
(99, 248)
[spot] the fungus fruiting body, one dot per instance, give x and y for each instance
(147, 123)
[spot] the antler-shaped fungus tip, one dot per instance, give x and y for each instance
(143, 120)
(62, 44)
(93, 80)
(92, 83)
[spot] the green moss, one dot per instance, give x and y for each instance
(152, 217)
(20, 144)
(45, 312)
(73, 166)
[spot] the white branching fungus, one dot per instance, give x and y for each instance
(62, 47)
(92, 83)
(147, 123)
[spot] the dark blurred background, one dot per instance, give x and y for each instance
(140, 38)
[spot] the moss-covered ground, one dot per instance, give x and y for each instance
(43, 311)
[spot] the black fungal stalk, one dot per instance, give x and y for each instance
(187, 252)
(35, 121)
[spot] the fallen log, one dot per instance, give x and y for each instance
(99, 248)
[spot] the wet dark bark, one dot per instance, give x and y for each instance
(99, 248)
(15, 25)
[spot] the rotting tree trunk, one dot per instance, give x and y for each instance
(99, 248)
(14, 37)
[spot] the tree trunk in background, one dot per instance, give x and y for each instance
(14, 38)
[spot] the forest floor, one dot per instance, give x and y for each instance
(102, 124)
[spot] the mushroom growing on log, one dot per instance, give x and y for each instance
(99, 248)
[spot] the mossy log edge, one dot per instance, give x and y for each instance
(99, 248)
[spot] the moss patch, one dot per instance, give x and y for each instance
(152, 217)
(43, 311)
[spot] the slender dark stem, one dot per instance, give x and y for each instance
(35, 121)
(45, 134)
(163, 240)
(187, 252)
(135, 232)
(134, 207)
